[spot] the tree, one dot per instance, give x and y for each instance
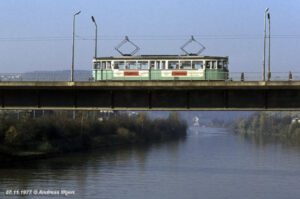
(174, 115)
(141, 119)
(11, 135)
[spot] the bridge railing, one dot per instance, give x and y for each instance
(256, 76)
(86, 76)
(244, 76)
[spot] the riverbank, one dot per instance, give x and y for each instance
(269, 127)
(58, 134)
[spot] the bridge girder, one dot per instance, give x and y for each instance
(150, 95)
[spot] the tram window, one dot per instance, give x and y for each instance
(197, 65)
(119, 65)
(173, 65)
(103, 65)
(108, 65)
(131, 65)
(96, 65)
(157, 65)
(207, 64)
(220, 64)
(163, 65)
(225, 64)
(214, 64)
(185, 65)
(143, 65)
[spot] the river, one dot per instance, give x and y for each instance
(210, 163)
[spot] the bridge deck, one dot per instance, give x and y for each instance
(151, 95)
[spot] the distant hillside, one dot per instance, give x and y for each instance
(64, 75)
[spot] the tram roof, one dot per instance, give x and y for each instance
(159, 57)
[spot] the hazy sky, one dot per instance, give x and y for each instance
(37, 34)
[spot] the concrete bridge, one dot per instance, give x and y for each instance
(150, 95)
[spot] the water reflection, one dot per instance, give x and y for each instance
(209, 163)
(264, 140)
(23, 174)
(206, 131)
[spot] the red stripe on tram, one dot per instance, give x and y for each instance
(179, 73)
(131, 73)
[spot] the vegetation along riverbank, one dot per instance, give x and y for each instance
(59, 133)
(270, 126)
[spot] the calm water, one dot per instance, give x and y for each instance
(209, 163)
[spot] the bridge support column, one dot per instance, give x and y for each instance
(188, 99)
(38, 96)
(112, 100)
(149, 99)
(266, 99)
(225, 99)
(2, 99)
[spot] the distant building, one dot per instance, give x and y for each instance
(295, 120)
(132, 114)
(196, 121)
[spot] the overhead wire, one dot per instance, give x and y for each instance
(148, 37)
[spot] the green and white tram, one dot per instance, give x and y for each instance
(160, 67)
